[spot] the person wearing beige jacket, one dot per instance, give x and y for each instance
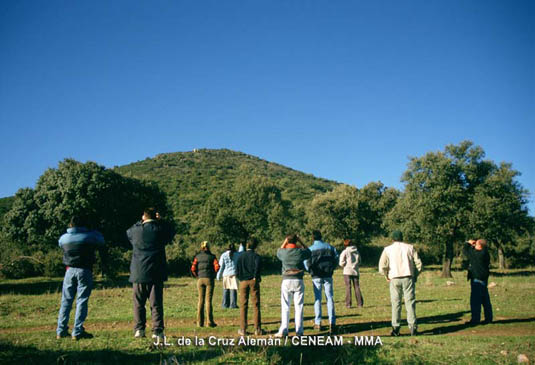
(401, 265)
(350, 260)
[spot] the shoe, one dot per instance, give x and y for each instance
(213, 324)
(83, 335)
(159, 336)
(259, 332)
(414, 331)
(317, 327)
(241, 332)
(281, 334)
(139, 334)
(332, 329)
(471, 323)
(62, 335)
(486, 322)
(395, 332)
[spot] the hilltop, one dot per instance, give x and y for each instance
(190, 178)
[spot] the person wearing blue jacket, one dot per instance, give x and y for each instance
(227, 271)
(79, 245)
(323, 260)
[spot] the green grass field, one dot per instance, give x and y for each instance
(28, 313)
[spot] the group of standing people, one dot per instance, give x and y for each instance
(241, 271)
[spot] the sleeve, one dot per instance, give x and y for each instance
(342, 261)
(221, 268)
(384, 264)
(358, 257)
(335, 253)
(417, 262)
(258, 268)
(194, 267)
(216, 265)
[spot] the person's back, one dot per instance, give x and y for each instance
(293, 261)
(79, 245)
(323, 260)
(148, 239)
(401, 261)
(479, 264)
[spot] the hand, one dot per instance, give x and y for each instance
(285, 242)
(387, 279)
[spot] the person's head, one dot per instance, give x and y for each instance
(149, 213)
(316, 235)
(397, 236)
(205, 246)
(480, 244)
(348, 242)
(231, 247)
(77, 221)
(252, 243)
(292, 238)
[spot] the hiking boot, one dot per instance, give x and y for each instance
(281, 334)
(83, 335)
(241, 332)
(259, 332)
(317, 327)
(139, 334)
(213, 324)
(395, 332)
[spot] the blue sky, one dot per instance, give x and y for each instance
(345, 90)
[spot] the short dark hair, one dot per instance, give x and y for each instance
(397, 235)
(150, 213)
(292, 238)
(316, 235)
(348, 242)
(252, 243)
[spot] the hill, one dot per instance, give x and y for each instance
(190, 178)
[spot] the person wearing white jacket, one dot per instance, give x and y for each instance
(401, 265)
(350, 260)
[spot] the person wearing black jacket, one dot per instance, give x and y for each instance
(248, 273)
(478, 258)
(148, 270)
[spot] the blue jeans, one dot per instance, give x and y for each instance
(479, 295)
(327, 283)
(76, 282)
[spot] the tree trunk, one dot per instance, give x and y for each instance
(447, 260)
(501, 258)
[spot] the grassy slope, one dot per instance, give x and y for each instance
(189, 178)
(28, 312)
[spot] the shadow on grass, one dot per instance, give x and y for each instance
(462, 326)
(367, 326)
(514, 273)
(294, 354)
(437, 300)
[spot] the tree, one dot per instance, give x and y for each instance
(434, 206)
(107, 200)
(499, 212)
(347, 212)
(254, 206)
(453, 195)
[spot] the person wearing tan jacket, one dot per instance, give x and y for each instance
(401, 265)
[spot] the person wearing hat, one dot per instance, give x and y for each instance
(401, 265)
(204, 268)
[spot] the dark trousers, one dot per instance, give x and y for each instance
(353, 280)
(479, 295)
(205, 287)
(230, 297)
(153, 292)
(250, 287)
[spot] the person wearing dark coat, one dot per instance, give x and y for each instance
(478, 258)
(148, 270)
